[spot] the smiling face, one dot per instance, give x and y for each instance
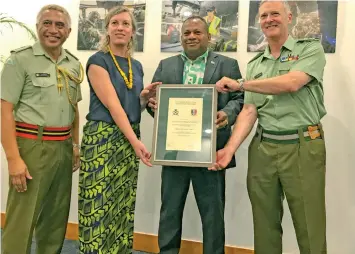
(120, 29)
(274, 19)
(194, 38)
(53, 29)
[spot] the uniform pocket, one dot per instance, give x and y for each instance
(314, 155)
(318, 150)
(44, 87)
(284, 68)
(260, 99)
(30, 150)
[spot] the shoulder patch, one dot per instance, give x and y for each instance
(9, 61)
(256, 57)
(71, 54)
(20, 49)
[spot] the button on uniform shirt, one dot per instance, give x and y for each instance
(289, 111)
(29, 81)
(194, 70)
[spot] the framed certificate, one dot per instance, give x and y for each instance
(184, 126)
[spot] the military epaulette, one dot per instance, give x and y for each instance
(256, 57)
(20, 49)
(71, 54)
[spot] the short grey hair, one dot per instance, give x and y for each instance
(284, 2)
(54, 7)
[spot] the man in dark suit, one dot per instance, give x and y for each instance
(196, 65)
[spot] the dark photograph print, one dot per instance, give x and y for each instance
(221, 17)
(310, 19)
(92, 22)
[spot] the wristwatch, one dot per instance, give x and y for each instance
(241, 84)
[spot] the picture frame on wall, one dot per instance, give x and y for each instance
(221, 17)
(310, 19)
(91, 25)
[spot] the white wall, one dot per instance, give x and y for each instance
(338, 124)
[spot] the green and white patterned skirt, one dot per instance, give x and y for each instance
(107, 189)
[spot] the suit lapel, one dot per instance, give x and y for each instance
(211, 65)
(179, 70)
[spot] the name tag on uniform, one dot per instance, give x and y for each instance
(42, 75)
(258, 75)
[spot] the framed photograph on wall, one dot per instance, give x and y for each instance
(92, 22)
(221, 17)
(310, 19)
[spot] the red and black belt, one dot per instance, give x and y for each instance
(31, 131)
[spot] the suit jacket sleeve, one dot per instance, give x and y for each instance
(236, 99)
(156, 78)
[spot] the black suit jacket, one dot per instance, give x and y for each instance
(170, 71)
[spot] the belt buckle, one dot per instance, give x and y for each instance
(313, 133)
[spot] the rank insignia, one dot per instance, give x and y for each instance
(288, 58)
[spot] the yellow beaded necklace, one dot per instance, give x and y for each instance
(129, 83)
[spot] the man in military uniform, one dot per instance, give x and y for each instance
(40, 135)
(284, 91)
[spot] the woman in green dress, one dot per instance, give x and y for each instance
(111, 146)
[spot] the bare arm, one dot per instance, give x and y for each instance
(75, 126)
(12, 83)
(242, 127)
(310, 65)
(17, 168)
(101, 83)
(287, 83)
(8, 131)
(75, 135)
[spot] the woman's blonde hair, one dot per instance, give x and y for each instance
(106, 38)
